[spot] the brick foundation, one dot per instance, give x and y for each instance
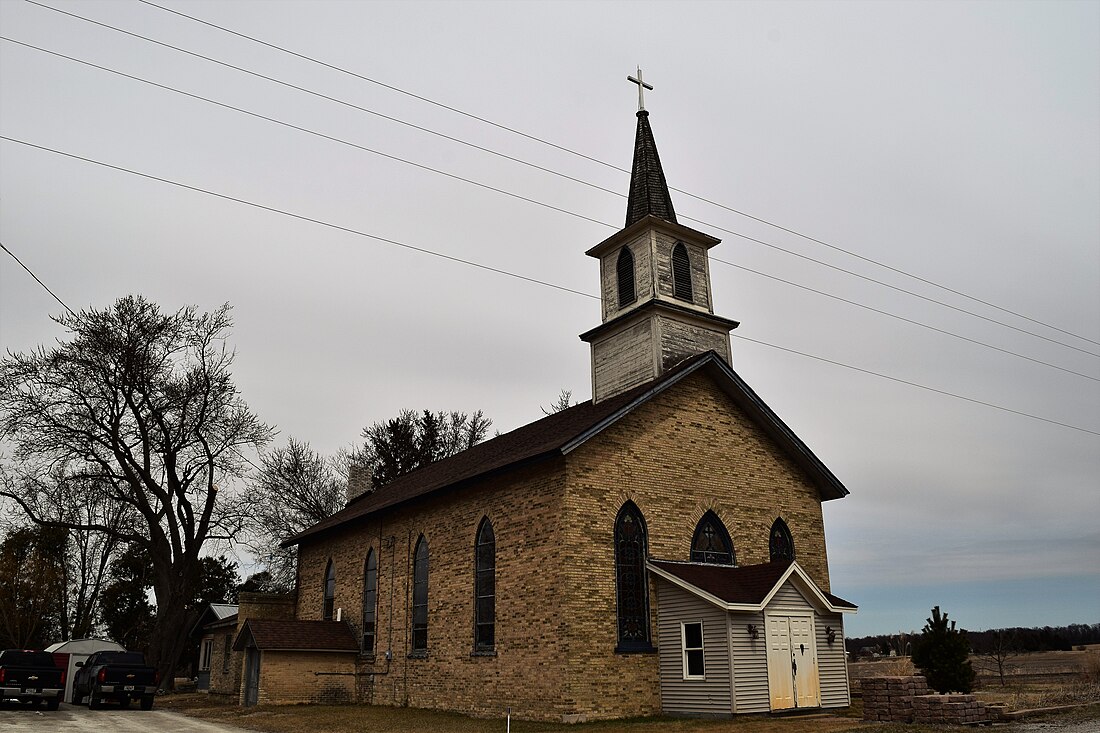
(908, 700)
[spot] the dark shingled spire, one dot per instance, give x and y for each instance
(648, 190)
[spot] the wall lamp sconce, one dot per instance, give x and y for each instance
(753, 631)
(830, 634)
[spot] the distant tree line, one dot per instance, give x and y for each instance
(1036, 639)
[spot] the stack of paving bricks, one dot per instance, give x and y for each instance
(955, 709)
(891, 698)
(907, 700)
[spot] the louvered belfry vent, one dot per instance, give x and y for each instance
(681, 272)
(624, 273)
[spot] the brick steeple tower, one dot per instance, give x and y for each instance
(654, 284)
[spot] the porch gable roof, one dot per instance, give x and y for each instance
(745, 588)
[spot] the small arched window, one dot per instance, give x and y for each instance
(485, 566)
(711, 543)
(420, 596)
(631, 587)
(329, 602)
(681, 272)
(780, 544)
(370, 600)
(624, 274)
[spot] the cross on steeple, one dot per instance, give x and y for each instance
(641, 85)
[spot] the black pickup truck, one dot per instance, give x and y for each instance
(31, 677)
(117, 677)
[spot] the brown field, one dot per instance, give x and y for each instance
(1037, 681)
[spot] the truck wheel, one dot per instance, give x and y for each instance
(147, 702)
(53, 703)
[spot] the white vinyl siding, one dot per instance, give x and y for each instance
(831, 664)
(750, 663)
(679, 696)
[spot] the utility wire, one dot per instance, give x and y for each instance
(915, 384)
(529, 164)
(507, 273)
(37, 279)
(605, 164)
(529, 200)
(301, 217)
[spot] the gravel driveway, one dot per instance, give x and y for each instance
(72, 718)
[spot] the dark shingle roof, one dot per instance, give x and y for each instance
(746, 585)
(280, 634)
(648, 189)
(557, 434)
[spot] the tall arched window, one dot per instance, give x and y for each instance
(711, 542)
(624, 274)
(329, 601)
(485, 601)
(420, 596)
(681, 272)
(780, 544)
(370, 600)
(631, 587)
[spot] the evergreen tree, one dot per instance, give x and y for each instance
(942, 655)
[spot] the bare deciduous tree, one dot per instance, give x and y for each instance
(140, 404)
(295, 488)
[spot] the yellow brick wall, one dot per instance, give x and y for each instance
(326, 678)
(686, 451)
(527, 671)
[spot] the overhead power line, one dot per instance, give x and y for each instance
(36, 278)
(471, 263)
(528, 200)
(606, 164)
(518, 160)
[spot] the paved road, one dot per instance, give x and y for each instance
(79, 719)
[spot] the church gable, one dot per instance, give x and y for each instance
(690, 449)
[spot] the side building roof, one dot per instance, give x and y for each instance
(286, 635)
(560, 433)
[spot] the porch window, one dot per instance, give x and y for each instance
(691, 644)
(205, 653)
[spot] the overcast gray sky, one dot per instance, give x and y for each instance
(954, 141)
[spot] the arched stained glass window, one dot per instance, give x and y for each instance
(681, 272)
(780, 544)
(485, 564)
(624, 274)
(420, 596)
(711, 543)
(630, 579)
(370, 600)
(329, 602)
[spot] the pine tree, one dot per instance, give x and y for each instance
(942, 655)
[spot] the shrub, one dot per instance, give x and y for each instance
(941, 653)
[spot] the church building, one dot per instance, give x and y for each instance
(658, 549)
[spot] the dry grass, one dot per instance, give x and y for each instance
(1043, 680)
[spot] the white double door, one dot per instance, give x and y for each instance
(792, 661)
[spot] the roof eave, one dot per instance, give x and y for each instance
(674, 229)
